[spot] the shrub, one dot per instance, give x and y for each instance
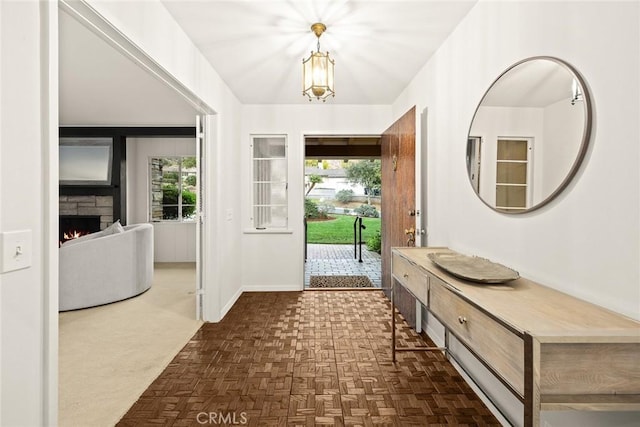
(170, 177)
(188, 198)
(374, 243)
(170, 197)
(324, 209)
(344, 196)
(311, 210)
(169, 194)
(369, 211)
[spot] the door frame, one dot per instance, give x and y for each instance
(50, 80)
(110, 34)
(420, 184)
(303, 137)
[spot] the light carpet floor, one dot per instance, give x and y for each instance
(109, 355)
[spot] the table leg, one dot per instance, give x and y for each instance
(393, 324)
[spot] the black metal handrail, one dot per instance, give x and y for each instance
(305, 239)
(357, 238)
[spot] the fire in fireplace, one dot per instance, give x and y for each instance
(72, 227)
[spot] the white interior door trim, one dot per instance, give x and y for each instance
(51, 209)
(200, 216)
(421, 137)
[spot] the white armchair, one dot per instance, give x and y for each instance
(106, 268)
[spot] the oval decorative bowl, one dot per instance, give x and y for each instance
(473, 268)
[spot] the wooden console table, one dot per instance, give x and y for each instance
(551, 350)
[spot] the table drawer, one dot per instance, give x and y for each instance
(498, 346)
(411, 277)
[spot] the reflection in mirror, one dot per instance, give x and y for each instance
(528, 135)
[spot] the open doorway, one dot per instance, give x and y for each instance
(102, 349)
(342, 212)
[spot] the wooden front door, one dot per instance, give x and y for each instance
(398, 201)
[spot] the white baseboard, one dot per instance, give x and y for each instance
(272, 288)
(230, 304)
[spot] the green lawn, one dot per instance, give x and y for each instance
(339, 230)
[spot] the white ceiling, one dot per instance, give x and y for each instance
(257, 46)
(99, 86)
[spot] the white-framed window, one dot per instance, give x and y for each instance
(173, 188)
(269, 184)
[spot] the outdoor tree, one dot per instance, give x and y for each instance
(367, 173)
(313, 180)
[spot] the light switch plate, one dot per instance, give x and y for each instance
(16, 250)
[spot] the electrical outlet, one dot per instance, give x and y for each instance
(16, 250)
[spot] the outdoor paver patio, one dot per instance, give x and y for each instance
(338, 260)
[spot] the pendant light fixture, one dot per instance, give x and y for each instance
(317, 70)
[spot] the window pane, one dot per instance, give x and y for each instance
(269, 194)
(189, 164)
(173, 188)
(169, 212)
(269, 182)
(511, 196)
(270, 170)
(188, 212)
(170, 188)
(511, 173)
(270, 216)
(169, 194)
(267, 147)
(512, 149)
(189, 181)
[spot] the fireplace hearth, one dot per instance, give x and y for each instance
(75, 226)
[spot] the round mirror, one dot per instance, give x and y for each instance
(528, 135)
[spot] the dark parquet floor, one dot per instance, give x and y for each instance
(310, 359)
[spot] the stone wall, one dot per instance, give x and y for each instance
(89, 205)
(156, 189)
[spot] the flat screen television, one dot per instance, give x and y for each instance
(85, 161)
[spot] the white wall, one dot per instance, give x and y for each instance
(172, 241)
(587, 241)
(150, 26)
(276, 261)
(28, 141)
(24, 175)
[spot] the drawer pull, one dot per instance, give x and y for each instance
(405, 275)
(462, 320)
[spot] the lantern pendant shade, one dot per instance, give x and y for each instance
(317, 73)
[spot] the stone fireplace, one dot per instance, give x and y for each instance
(100, 207)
